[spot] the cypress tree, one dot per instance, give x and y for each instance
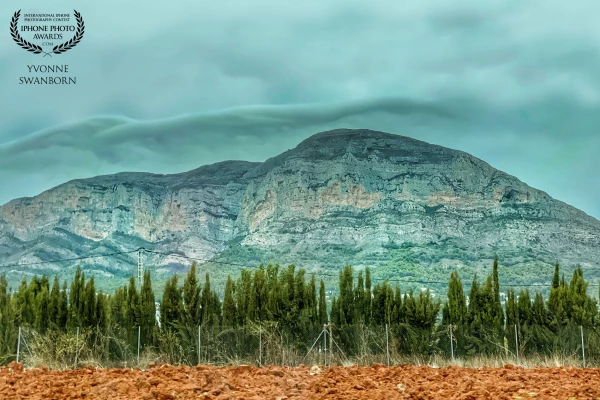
(555, 278)
(62, 314)
(217, 307)
(497, 313)
(456, 307)
(367, 299)
(334, 315)
(171, 307)
(102, 311)
(207, 302)
(524, 308)
(230, 317)
(132, 313)
(397, 314)
(45, 283)
(512, 319)
(191, 297)
(322, 304)
(359, 299)
(582, 308)
(496, 281)
(346, 296)
(311, 301)
(147, 310)
(42, 312)
(76, 294)
(274, 303)
(89, 304)
(299, 299)
(54, 302)
(118, 308)
(553, 304)
(8, 327)
(243, 294)
(23, 305)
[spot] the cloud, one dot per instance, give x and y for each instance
(521, 78)
(115, 139)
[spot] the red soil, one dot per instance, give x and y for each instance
(279, 383)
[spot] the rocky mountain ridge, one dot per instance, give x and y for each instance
(341, 197)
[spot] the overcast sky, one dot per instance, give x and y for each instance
(168, 86)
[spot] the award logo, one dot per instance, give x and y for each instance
(50, 35)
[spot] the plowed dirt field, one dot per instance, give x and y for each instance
(244, 382)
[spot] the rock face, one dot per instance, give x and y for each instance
(340, 197)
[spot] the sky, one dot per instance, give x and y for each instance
(166, 87)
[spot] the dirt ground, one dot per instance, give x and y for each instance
(279, 383)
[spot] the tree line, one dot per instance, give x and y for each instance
(295, 304)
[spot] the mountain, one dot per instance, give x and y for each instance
(405, 207)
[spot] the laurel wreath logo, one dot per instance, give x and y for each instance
(35, 49)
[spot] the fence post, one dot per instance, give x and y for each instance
(260, 345)
(139, 337)
(199, 344)
(451, 344)
(387, 344)
(325, 348)
(516, 344)
(582, 346)
(18, 344)
(76, 347)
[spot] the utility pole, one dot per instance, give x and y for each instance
(324, 346)
(451, 343)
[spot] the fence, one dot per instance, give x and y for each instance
(268, 344)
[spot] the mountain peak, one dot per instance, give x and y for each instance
(350, 135)
(345, 196)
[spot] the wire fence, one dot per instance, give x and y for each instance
(267, 344)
